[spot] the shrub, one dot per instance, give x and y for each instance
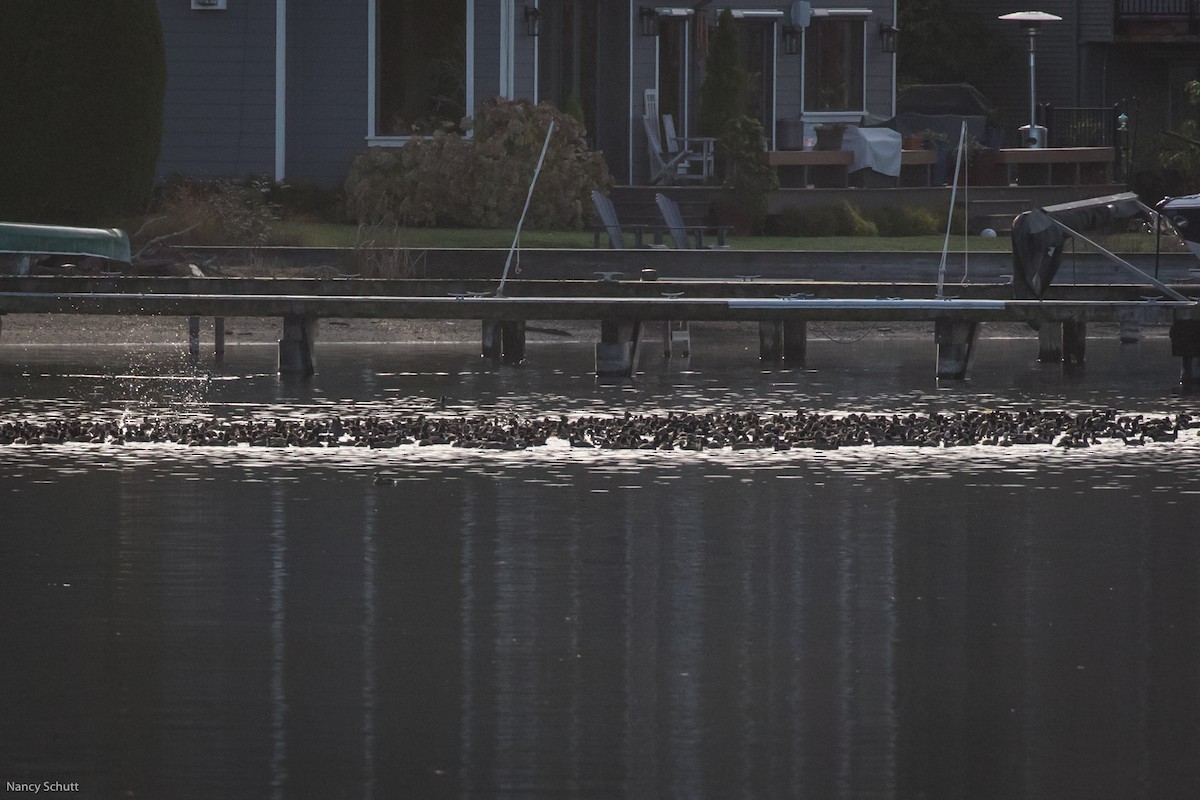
(211, 213)
(837, 219)
(905, 221)
(82, 101)
(741, 147)
(723, 93)
(449, 180)
(305, 200)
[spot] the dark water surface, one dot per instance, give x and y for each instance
(868, 622)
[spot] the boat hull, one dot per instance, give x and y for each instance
(1184, 214)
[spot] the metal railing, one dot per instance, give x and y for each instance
(1188, 10)
(1080, 127)
(1156, 8)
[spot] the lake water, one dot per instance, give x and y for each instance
(857, 623)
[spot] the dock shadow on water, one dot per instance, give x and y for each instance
(432, 621)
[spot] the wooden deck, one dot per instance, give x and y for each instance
(1057, 166)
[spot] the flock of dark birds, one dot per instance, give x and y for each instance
(670, 431)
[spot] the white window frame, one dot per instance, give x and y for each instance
(374, 140)
(850, 115)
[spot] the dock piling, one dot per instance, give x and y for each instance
(194, 337)
(618, 349)
(1074, 338)
(504, 340)
(955, 341)
(512, 341)
(296, 354)
(795, 342)
(1050, 342)
(770, 340)
(219, 336)
(1185, 343)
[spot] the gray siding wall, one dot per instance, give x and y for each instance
(1096, 20)
(326, 88)
(219, 108)
(487, 51)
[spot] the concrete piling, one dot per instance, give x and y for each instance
(770, 340)
(1185, 343)
(512, 341)
(783, 341)
(677, 335)
(795, 342)
(1050, 342)
(503, 340)
(955, 341)
(194, 337)
(1074, 337)
(618, 349)
(296, 348)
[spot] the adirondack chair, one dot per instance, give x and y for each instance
(664, 167)
(611, 226)
(697, 150)
(681, 234)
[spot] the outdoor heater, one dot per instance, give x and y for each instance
(1033, 135)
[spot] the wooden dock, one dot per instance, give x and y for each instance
(782, 309)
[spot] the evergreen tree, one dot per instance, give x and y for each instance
(81, 101)
(723, 93)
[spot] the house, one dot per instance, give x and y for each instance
(293, 89)
(1135, 55)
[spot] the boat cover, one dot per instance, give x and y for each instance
(1037, 242)
(24, 238)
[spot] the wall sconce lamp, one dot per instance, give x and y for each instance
(649, 19)
(791, 40)
(889, 36)
(533, 19)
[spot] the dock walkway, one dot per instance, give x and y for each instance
(781, 308)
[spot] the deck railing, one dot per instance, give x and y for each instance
(1183, 16)
(1150, 9)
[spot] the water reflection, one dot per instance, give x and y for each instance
(864, 623)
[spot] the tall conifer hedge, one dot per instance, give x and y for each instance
(81, 104)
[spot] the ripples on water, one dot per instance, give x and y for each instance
(866, 622)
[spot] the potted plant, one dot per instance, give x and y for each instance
(829, 135)
(930, 139)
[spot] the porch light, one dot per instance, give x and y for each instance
(533, 19)
(791, 40)
(649, 19)
(889, 35)
(1031, 23)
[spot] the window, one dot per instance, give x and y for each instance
(421, 66)
(567, 53)
(833, 64)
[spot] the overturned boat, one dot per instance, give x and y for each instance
(1184, 215)
(1038, 237)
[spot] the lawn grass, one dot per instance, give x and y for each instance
(319, 234)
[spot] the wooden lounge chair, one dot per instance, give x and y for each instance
(610, 225)
(681, 234)
(697, 151)
(666, 167)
